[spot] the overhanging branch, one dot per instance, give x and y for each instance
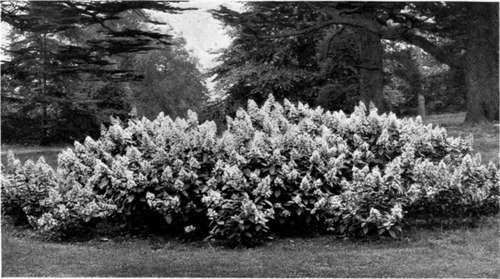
(437, 52)
(397, 32)
(337, 19)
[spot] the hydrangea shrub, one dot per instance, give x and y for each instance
(279, 168)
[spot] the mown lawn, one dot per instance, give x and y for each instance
(462, 252)
(486, 139)
(33, 152)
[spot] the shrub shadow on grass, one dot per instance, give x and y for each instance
(459, 252)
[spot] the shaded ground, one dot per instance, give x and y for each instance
(464, 252)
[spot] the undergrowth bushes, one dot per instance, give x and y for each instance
(277, 169)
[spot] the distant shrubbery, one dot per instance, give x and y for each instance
(280, 168)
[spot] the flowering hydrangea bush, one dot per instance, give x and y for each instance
(24, 187)
(278, 168)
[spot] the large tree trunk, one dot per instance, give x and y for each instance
(481, 63)
(43, 118)
(371, 75)
(413, 62)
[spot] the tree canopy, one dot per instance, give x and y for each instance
(57, 45)
(171, 81)
(453, 33)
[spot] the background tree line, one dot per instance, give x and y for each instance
(336, 53)
(73, 64)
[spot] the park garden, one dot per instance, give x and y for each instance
(341, 139)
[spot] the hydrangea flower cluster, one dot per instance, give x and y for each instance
(276, 168)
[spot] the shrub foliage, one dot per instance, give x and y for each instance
(276, 169)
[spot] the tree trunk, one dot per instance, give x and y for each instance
(481, 64)
(421, 106)
(44, 116)
(413, 62)
(371, 78)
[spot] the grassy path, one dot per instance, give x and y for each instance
(465, 252)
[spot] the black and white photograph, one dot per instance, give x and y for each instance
(263, 139)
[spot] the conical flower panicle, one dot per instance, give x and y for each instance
(13, 164)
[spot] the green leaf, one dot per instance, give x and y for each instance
(247, 172)
(342, 228)
(168, 219)
(272, 170)
(277, 193)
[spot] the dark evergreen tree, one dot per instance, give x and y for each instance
(263, 59)
(58, 43)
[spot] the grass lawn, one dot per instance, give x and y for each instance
(486, 139)
(462, 252)
(33, 152)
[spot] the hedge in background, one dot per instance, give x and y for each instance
(276, 169)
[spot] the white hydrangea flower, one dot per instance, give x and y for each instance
(315, 157)
(212, 197)
(211, 213)
(46, 222)
(278, 182)
(397, 211)
(335, 202)
(178, 185)
(297, 199)
(306, 184)
(263, 188)
(193, 163)
(375, 214)
(189, 229)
